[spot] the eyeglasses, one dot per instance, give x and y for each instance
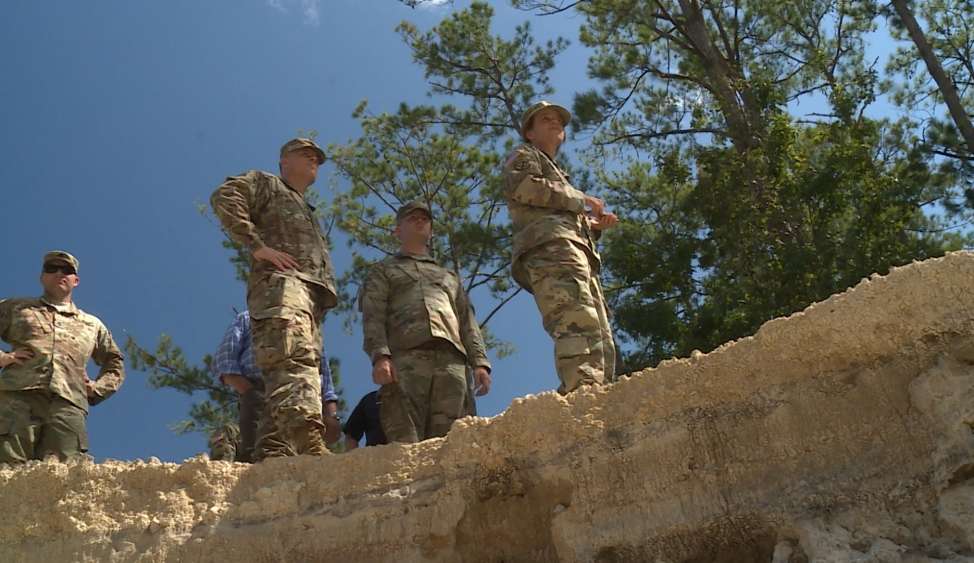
(63, 268)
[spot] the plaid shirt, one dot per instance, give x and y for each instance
(235, 355)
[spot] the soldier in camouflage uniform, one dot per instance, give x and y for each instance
(44, 389)
(554, 255)
(291, 285)
(421, 334)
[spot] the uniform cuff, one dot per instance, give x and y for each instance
(379, 353)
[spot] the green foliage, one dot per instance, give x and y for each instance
(678, 73)
(706, 258)
(949, 29)
(168, 368)
(496, 79)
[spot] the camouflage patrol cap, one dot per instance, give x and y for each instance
(300, 143)
(60, 256)
(565, 115)
(412, 206)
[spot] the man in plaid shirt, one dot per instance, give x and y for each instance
(234, 365)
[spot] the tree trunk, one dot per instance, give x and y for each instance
(947, 89)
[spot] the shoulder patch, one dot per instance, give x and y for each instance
(520, 158)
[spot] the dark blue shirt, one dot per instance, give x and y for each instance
(365, 420)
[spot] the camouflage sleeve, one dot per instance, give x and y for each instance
(108, 357)
(473, 340)
(373, 301)
(526, 184)
(232, 202)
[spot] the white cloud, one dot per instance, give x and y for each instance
(310, 9)
(430, 4)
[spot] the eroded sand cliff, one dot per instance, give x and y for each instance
(842, 433)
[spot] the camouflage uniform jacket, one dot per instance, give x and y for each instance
(543, 206)
(259, 209)
(407, 301)
(62, 339)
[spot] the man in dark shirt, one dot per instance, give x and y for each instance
(365, 420)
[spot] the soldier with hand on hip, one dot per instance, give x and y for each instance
(291, 285)
(44, 390)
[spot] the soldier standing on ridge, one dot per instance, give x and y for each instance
(554, 255)
(421, 333)
(44, 392)
(291, 285)
(234, 365)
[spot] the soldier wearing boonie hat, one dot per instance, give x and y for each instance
(45, 392)
(555, 226)
(291, 285)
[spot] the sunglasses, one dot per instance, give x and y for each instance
(63, 268)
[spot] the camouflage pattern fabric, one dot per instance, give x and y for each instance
(416, 312)
(259, 209)
(543, 206)
(555, 258)
(62, 339)
(35, 424)
(225, 443)
(573, 311)
(428, 396)
(407, 301)
(286, 315)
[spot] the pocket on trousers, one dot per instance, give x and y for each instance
(571, 346)
(271, 342)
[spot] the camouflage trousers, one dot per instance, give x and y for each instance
(569, 295)
(286, 315)
(35, 424)
(429, 395)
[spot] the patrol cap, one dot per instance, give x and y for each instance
(300, 143)
(412, 206)
(60, 256)
(565, 115)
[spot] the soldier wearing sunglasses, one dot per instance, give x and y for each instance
(44, 390)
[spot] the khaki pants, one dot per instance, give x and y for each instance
(429, 395)
(35, 424)
(569, 296)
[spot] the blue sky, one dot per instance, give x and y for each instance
(119, 117)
